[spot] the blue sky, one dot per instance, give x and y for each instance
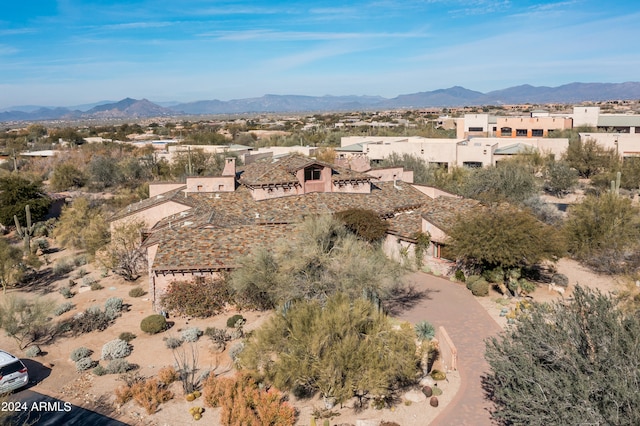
(70, 52)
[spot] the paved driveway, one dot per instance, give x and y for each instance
(451, 305)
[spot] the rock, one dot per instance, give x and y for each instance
(367, 422)
(427, 381)
(433, 401)
(415, 396)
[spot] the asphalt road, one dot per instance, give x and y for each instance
(27, 407)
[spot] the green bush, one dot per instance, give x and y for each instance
(66, 292)
(137, 292)
(64, 307)
(126, 336)
(460, 275)
(84, 364)
(62, 267)
(231, 321)
(495, 275)
(472, 279)
(119, 366)
(153, 324)
(99, 370)
(366, 224)
(480, 288)
(80, 353)
(95, 285)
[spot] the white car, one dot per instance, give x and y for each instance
(13, 373)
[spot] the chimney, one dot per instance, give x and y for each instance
(229, 167)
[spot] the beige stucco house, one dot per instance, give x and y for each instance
(202, 228)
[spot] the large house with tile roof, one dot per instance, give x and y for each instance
(202, 227)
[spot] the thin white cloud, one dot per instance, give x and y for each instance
(138, 25)
(7, 50)
(272, 35)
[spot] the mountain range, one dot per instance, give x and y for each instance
(452, 97)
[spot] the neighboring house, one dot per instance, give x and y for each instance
(446, 153)
(201, 228)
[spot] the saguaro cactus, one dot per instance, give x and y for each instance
(25, 232)
(615, 184)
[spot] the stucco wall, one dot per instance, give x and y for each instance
(211, 184)
(161, 188)
(152, 215)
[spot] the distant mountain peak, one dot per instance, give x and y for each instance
(451, 97)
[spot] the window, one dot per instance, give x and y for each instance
(198, 280)
(199, 188)
(476, 129)
(220, 187)
(537, 132)
(505, 131)
(472, 164)
(312, 173)
(521, 132)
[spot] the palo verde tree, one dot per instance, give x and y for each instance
(342, 348)
(81, 227)
(322, 259)
(124, 254)
(589, 158)
(366, 224)
(503, 238)
(603, 231)
(511, 181)
(562, 364)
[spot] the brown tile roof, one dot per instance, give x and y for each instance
(214, 249)
(443, 211)
(284, 171)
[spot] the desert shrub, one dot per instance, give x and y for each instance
(95, 285)
(126, 336)
(168, 375)
(137, 292)
(149, 394)
(99, 370)
(172, 342)
(123, 394)
(191, 334)
(459, 275)
(79, 353)
(235, 350)
(80, 260)
(438, 375)
(43, 244)
(480, 288)
(218, 336)
(114, 303)
(33, 351)
(153, 324)
(425, 330)
(62, 267)
(83, 364)
(495, 275)
(81, 273)
(526, 285)
(196, 299)
(560, 279)
(232, 321)
(243, 402)
(66, 292)
(116, 349)
(472, 279)
(119, 366)
(91, 319)
(62, 308)
(88, 281)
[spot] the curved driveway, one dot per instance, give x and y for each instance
(451, 305)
